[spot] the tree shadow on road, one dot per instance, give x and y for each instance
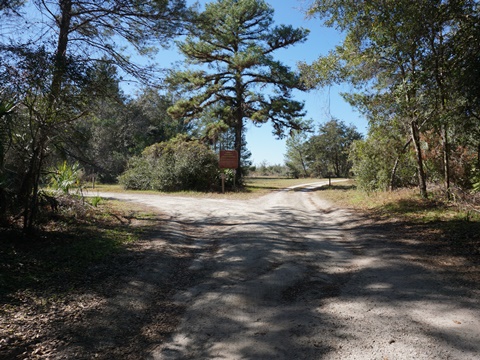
(263, 285)
(270, 300)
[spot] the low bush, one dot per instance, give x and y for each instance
(176, 165)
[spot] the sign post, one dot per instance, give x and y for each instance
(228, 160)
(222, 175)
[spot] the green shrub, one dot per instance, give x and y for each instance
(65, 177)
(139, 174)
(373, 160)
(176, 165)
(95, 200)
(475, 180)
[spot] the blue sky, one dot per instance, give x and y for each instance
(320, 104)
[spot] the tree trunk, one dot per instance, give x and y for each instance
(238, 118)
(394, 172)
(446, 160)
(32, 179)
(336, 165)
(304, 166)
(422, 183)
(238, 148)
(60, 64)
(38, 164)
(395, 166)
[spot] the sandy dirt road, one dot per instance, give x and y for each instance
(286, 276)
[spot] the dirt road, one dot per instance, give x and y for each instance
(286, 276)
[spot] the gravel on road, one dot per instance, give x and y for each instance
(288, 276)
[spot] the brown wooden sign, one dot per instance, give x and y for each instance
(228, 159)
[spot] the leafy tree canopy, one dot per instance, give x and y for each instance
(52, 65)
(408, 61)
(329, 149)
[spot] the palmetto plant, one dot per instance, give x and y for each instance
(475, 180)
(65, 177)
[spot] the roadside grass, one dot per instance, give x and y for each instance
(267, 184)
(402, 203)
(58, 258)
(73, 242)
(434, 219)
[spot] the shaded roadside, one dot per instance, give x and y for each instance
(280, 277)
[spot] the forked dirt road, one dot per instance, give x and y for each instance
(286, 276)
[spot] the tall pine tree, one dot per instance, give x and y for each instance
(232, 44)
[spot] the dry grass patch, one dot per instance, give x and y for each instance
(266, 184)
(453, 229)
(402, 203)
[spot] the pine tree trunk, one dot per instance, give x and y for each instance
(238, 148)
(61, 52)
(239, 124)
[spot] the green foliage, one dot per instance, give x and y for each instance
(175, 165)
(475, 180)
(214, 131)
(297, 148)
(275, 170)
(369, 167)
(152, 123)
(231, 45)
(65, 177)
(118, 127)
(373, 167)
(95, 200)
(323, 154)
(230, 181)
(327, 152)
(139, 175)
(408, 67)
(56, 84)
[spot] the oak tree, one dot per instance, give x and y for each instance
(403, 56)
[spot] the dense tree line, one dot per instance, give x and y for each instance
(60, 74)
(415, 66)
(325, 153)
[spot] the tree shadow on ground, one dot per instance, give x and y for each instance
(71, 298)
(260, 283)
(285, 316)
